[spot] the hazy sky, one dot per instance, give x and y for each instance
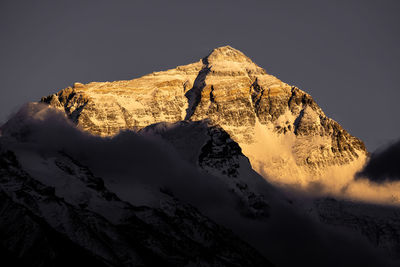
(344, 53)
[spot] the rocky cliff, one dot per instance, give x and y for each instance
(279, 127)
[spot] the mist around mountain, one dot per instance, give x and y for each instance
(136, 166)
(215, 163)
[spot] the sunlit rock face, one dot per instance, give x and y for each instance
(279, 127)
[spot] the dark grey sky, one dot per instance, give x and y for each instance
(344, 53)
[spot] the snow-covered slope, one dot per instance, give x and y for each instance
(54, 210)
(280, 128)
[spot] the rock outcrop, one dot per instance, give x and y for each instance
(213, 151)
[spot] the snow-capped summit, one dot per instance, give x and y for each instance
(227, 54)
(279, 127)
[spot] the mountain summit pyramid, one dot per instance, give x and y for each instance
(279, 127)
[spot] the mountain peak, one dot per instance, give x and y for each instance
(256, 109)
(227, 53)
